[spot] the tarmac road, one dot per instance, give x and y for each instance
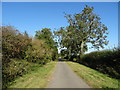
(64, 77)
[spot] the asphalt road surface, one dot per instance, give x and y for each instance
(64, 77)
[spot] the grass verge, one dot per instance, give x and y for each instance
(92, 77)
(35, 79)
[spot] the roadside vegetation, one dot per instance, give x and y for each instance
(22, 53)
(24, 58)
(85, 30)
(93, 78)
(107, 61)
(37, 78)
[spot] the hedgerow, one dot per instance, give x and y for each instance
(20, 52)
(107, 61)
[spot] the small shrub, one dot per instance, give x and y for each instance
(74, 59)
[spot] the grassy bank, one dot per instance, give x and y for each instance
(106, 61)
(35, 79)
(94, 78)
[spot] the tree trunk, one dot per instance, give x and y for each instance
(82, 47)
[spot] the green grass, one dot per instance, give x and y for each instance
(35, 79)
(94, 78)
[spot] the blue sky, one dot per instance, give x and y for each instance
(60, 0)
(33, 16)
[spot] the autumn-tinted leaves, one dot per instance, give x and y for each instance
(20, 51)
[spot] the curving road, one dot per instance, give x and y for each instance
(64, 77)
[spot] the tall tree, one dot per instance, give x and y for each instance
(26, 34)
(46, 35)
(83, 28)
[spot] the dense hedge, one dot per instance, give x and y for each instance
(19, 52)
(15, 69)
(14, 44)
(39, 52)
(107, 61)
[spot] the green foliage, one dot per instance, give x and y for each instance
(15, 69)
(107, 61)
(38, 52)
(46, 35)
(35, 79)
(83, 28)
(14, 44)
(63, 52)
(19, 51)
(74, 59)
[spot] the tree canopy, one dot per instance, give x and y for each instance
(83, 28)
(46, 35)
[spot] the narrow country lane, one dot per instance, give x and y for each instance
(64, 77)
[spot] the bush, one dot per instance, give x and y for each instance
(15, 69)
(107, 61)
(14, 44)
(19, 51)
(38, 52)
